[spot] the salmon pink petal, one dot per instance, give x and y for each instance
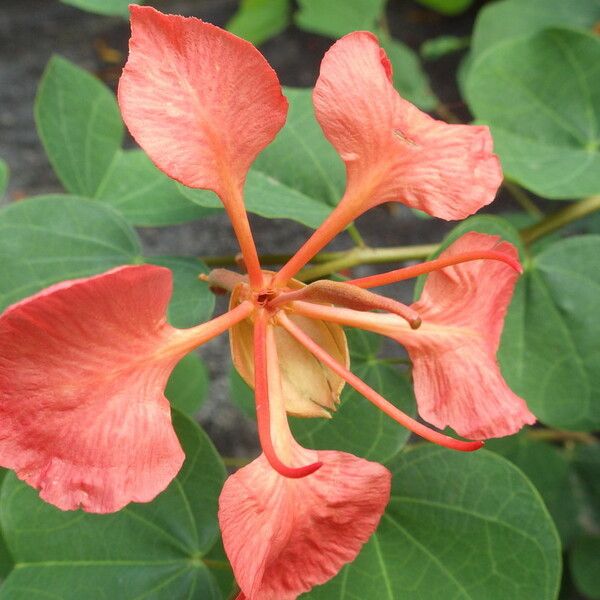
(83, 365)
(392, 150)
(199, 100)
(284, 536)
(456, 375)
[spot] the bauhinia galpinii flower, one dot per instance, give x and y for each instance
(84, 363)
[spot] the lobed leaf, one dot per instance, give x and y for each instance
(462, 526)
(541, 97)
(79, 123)
(156, 548)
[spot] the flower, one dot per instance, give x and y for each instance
(84, 418)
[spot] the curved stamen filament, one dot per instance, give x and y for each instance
(370, 394)
(435, 265)
(263, 416)
(342, 294)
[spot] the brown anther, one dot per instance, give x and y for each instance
(349, 296)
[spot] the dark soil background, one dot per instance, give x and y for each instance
(32, 30)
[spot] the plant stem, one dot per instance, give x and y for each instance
(362, 256)
(522, 199)
(357, 238)
(560, 218)
(560, 435)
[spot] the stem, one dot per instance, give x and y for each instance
(362, 256)
(370, 394)
(560, 218)
(560, 435)
(357, 238)
(522, 199)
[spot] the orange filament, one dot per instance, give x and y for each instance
(263, 417)
(435, 265)
(371, 395)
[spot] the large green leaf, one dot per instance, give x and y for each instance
(335, 19)
(145, 196)
(409, 77)
(259, 20)
(460, 526)
(47, 239)
(301, 157)
(500, 21)
(156, 548)
(4, 175)
(52, 238)
(104, 7)
(192, 301)
(586, 462)
(187, 387)
(585, 566)
(549, 470)
(447, 7)
(541, 97)
(299, 176)
(358, 427)
(549, 352)
(79, 123)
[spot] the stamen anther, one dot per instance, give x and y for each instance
(349, 296)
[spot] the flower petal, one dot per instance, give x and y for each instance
(309, 388)
(199, 100)
(83, 365)
(392, 150)
(284, 536)
(457, 379)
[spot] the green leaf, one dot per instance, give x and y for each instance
(301, 157)
(549, 352)
(145, 196)
(187, 387)
(48, 239)
(335, 19)
(549, 470)
(461, 526)
(585, 566)
(259, 20)
(192, 301)
(104, 7)
(299, 176)
(357, 426)
(508, 19)
(435, 48)
(79, 123)
(586, 461)
(409, 77)
(4, 175)
(447, 7)
(6, 560)
(241, 394)
(156, 548)
(541, 97)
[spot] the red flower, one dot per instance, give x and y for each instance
(83, 364)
